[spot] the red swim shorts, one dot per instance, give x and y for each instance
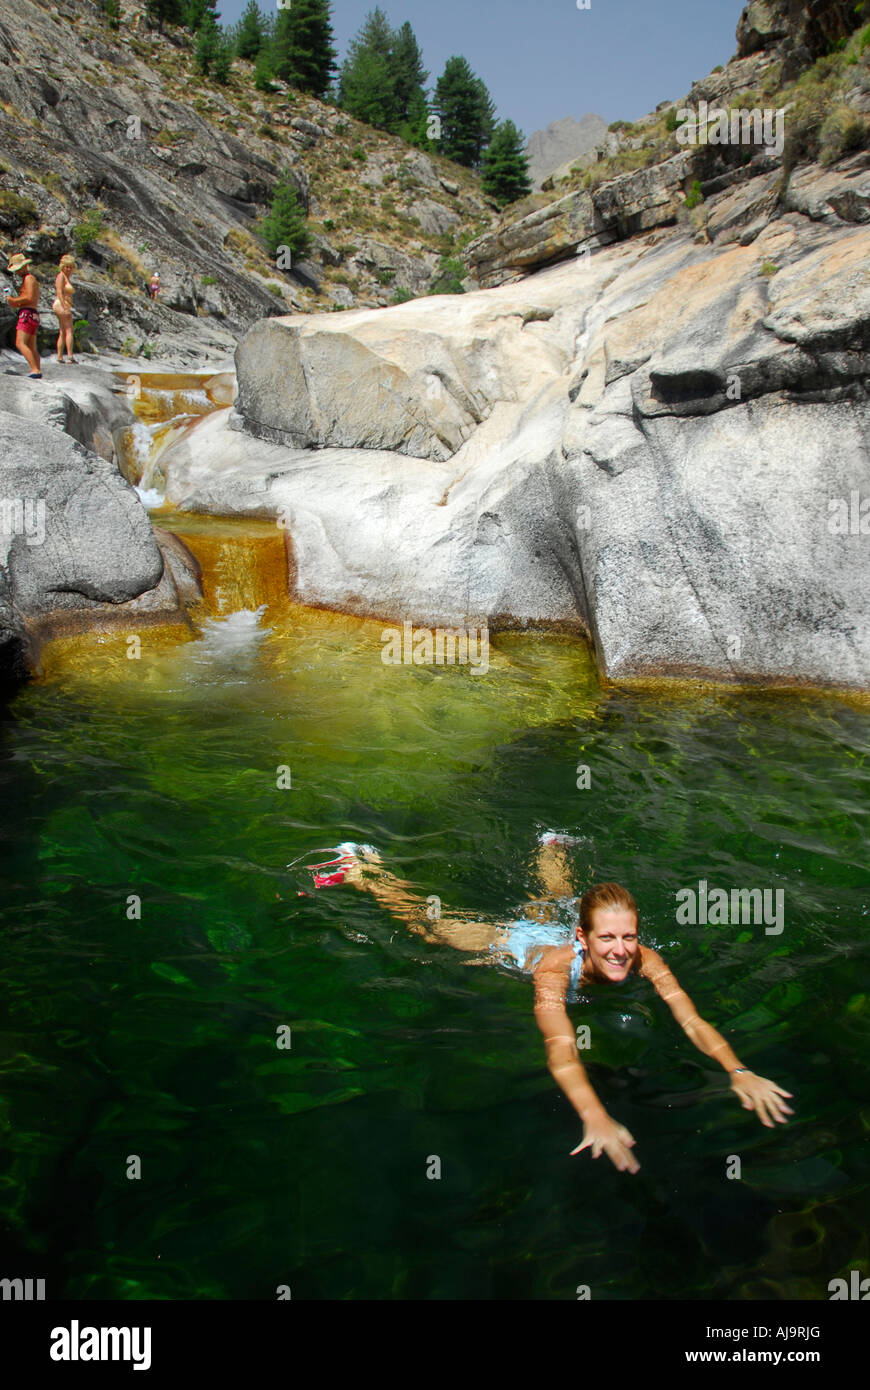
(28, 321)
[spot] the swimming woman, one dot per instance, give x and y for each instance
(605, 950)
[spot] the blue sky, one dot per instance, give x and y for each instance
(544, 59)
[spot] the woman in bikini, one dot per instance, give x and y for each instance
(62, 308)
(28, 315)
(601, 948)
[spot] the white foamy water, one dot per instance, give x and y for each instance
(150, 497)
(231, 642)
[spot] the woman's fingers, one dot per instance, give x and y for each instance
(622, 1158)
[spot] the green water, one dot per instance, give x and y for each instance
(307, 1167)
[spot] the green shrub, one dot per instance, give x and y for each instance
(20, 211)
(694, 196)
(449, 278)
(207, 280)
(359, 153)
(112, 10)
(769, 268)
(275, 289)
(81, 331)
(385, 276)
(86, 232)
(401, 296)
(671, 121)
(842, 132)
(267, 132)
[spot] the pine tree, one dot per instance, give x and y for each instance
(415, 128)
(250, 36)
(282, 45)
(195, 12)
(466, 111)
(223, 59)
(304, 52)
(408, 71)
(505, 168)
(166, 11)
(367, 82)
(207, 44)
(284, 224)
(263, 69)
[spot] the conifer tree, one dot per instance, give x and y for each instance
(408, 71)
(284, 224)
(466, 111)
(251, 34)
(263, 70)
(196, 12)
(415, 128)
(223, 59)
(505, 168)
(207, 44)
(304, 54)
(166, 11)
(367, 82)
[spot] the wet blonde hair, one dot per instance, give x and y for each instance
(605, 895)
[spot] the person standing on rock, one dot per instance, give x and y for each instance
(28, 314)
(154, 287)
(62, 307)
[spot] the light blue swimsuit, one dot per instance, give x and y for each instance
(525, 936)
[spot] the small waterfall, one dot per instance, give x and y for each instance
(243, 563)
(165, 406)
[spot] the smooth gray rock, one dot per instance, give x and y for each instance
(661, 442)
(76, 545)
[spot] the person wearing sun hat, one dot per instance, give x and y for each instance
(28, 315)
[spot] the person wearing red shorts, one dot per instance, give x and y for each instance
(28, 314)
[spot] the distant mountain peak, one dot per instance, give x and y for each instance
(562, 141)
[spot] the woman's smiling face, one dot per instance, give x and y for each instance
(611, 942)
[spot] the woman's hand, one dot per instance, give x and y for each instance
(763, 1096)
(604, 1135)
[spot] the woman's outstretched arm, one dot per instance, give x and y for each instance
(754, 1092)
(600, 1132)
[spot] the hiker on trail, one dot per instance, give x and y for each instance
(62, 307)
(154, 287)
(28, 314)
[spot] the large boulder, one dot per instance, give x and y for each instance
(76, 545)
(666, 446)
(803, 29)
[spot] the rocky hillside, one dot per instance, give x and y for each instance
(113, 148)
(809, 58)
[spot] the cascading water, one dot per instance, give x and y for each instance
(165, 406)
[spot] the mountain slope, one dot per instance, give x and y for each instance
(115, 149)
